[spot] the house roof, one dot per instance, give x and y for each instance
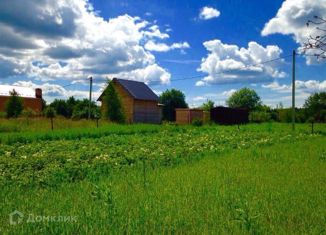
(22, 91)
(138, 90)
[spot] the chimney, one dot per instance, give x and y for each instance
(38, 93)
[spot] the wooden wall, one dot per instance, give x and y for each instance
(147, 112)
(33, 103)
(187, 116)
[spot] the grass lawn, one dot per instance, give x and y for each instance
(143, 179)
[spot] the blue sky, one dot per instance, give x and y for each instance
(221, 43)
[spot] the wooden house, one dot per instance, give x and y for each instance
(187, 116)
(139, 102)
(32, 99)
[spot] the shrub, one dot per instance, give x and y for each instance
(259, 116)
(197, 122)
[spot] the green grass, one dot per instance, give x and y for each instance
(262, 179)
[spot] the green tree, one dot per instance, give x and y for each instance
(71, 102)
(112, 105)
(80, 109)
(315, 107)
(244, 98)
(14, 106)
(172, 99)
(50, 113)
(208, 105)
(60, 107)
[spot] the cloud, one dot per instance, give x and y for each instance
(228, 63)
(217, 98)
(162, 47)
(310, 86)
(71, 41)
(55, 91)
(292, 17)
(282, 92)
(207, 13)
(150, 74)
(229, 92)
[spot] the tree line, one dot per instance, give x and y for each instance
(313, 110)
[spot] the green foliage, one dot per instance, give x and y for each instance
(197, 122)
(80, 109)
(60, 107)
(316, 106)
(244, 98)
(14, 105)
(72, 108)
(172, 99)
(208, 105)
(285, 115)
(50, 112)
(260, 116)
(113, 109)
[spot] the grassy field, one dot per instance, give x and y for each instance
(140, 179)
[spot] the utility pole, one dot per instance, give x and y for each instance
(90, 97)
(293, 90)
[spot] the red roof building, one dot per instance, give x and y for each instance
(32, 98)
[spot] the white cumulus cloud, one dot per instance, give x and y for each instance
(207, 13)
(309, 86)
(292, 17)
(228, 63)
(68, 40)
(163, 47)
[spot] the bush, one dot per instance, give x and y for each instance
(259, 116)
(197, 122)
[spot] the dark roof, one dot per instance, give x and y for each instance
(138, 90)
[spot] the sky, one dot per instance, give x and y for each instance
(207, 49)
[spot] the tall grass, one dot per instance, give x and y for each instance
(276, 189)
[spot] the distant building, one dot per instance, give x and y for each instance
(31, 98)
(139, 102)
(229, 116)
(187, 115)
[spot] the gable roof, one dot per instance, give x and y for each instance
(138, 90)
(22, 91)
